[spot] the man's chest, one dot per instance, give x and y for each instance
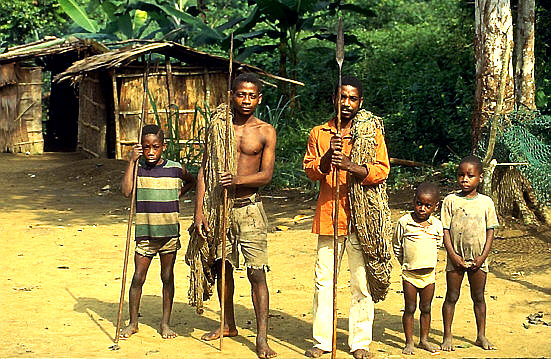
(249, 141)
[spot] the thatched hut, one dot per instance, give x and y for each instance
(180, 81)
(21, 98)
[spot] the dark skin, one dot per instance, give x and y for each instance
(351, 102)
(256, 141)
(424, 204)
(151, 149)
(468, 177)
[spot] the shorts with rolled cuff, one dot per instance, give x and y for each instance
(150, 247)
(248, 231)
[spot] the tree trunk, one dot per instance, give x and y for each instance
(514, 197)
(493, 37)
(283, 87)
(525, 87)
(495, 96)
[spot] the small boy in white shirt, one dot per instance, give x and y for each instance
(415, 243)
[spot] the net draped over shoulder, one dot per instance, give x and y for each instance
(201, 253)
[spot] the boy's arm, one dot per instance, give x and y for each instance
(264, 175)
(189, 182)
(127, 183)
(456, 259)
(397, 243)
(477, 262)
(199, 221)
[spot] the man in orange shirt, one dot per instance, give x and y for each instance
(327, 151)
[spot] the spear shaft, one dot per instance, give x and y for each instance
(224, 207)
(339, 56)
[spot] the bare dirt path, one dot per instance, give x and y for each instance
(62, 249)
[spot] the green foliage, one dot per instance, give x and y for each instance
(24, 21)
(418, 73)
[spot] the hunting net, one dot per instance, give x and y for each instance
(370, 211)
(525, 137)
(201, 254)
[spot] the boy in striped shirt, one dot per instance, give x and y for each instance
(160, 184)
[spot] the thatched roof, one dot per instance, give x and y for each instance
(51, 45)
(125, 55)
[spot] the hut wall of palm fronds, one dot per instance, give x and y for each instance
(21, 109)
(174, 93)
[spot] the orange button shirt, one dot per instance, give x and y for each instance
(318, 145)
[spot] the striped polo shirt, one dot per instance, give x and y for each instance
(157, 200)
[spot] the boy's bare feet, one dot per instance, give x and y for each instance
(263, 351)
(315, 352)
(424, 344)
(447, 345)
(360, 354)
(484, 343)
(409, 349)
(167, 333)
(215, 334)
(128, 331)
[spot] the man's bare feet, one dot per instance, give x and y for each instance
(315, 352)
(167, 333)
(409, 349)
(360, 354)
(424, 344)
(447, 345)
(128, 331)
(263, 351)
(215, 334)
(484, 343)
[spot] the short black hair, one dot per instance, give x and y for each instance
(153, 130)
(473, 160)
(246, 77)
(429, 188)
(350, 81)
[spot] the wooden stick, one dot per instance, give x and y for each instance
(340, 60)
(224, 207)
(132, 208)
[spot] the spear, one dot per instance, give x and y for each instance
(340, 59)
(224, 207)
(115, 346)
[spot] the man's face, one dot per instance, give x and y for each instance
(153, 148)
(245, 98)
(350, 102)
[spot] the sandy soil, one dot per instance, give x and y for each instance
(62, 252)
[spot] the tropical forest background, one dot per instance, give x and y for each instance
(415, 58)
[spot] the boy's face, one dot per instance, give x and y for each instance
(245, 98)
(350, 102)
(153, 148)
(468, 177)
(423, 206)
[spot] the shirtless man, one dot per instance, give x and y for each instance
(256, 142)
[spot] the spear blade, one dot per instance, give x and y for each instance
(340, 44)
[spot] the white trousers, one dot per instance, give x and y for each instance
(360, 321)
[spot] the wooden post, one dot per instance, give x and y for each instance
(118, 150)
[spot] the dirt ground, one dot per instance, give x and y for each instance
(63, 230)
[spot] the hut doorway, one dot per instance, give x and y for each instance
(61, 126)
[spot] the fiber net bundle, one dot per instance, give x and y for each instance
(369, 205)
(201, 254)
